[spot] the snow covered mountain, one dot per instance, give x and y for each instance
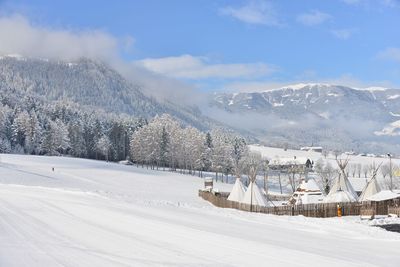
(88, 83)
(330, 115)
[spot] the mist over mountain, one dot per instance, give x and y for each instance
(89, 83)
(333, 116)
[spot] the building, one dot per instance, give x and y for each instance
(312, 148)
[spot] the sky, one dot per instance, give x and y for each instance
(237, 45)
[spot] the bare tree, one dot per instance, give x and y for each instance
(365, 170)
(352, 169)
(265, 169)
(292, 170)
(326, 172)
(336, 153)
(253, 163)
(358, 169)
(285, 146)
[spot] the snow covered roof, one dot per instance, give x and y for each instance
(384, 195)
(309, 186)
(307, 192)
(311, 148)
(254, 196)
(289, 161)
(238, 191)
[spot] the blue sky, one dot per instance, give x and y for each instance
(237, 45)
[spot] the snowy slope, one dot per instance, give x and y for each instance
(89, 213)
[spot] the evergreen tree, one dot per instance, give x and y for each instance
(164, 147)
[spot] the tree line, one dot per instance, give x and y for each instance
(29, 125)
(32, 126)
(165, 143)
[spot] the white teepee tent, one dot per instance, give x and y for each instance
(341, 190)
(370, 189)
(339, 196)
(307, 192)
(238, 191)
(254, 196)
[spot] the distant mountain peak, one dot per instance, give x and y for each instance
(299, 86)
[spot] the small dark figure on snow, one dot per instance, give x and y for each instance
(309, 165)
(52, 169)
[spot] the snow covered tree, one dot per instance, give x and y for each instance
(5, 145)
(239, 149)
(33, 135)
(103, 146)
(164, 146)
(48, 145)
(20, 128)
(75, 134)
(61, 139)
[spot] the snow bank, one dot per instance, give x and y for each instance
(383, 195)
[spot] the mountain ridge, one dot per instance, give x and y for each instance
(304, 114)
(90, 83)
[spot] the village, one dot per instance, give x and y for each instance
(314, 183)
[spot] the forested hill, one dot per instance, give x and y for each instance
(89, 83)
(75, 108)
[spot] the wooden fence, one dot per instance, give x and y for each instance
(320, 210)
(394, 210)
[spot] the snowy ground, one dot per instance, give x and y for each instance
(279, 155)
(89, 213)
(274, 153)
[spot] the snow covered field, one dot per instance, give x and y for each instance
(91, 213)
(275, 153)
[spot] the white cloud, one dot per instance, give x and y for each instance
(254, 12)
(314, 17)
(128, 43)
(190, 67)
(19, 36)
(343, 34)
(391, 53)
